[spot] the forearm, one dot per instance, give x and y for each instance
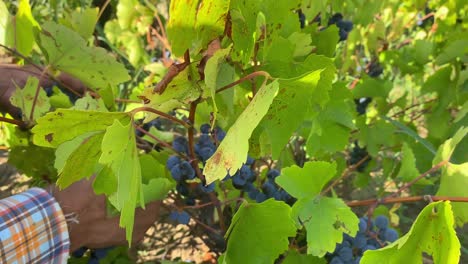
(33, 229)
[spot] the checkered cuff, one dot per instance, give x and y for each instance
(32, 229)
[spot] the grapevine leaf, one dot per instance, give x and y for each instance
(293, 257)
(62, 125)
(24, 99)
(195, 23)
(105, 182)
(81, 163)
(408, 170)
(120, 154)
(331, 128)
(182, 90)
(157, 189)
(212, 73)
(432, 233)
(41, 166)
(307, 181)
(66, 50)
(380, 134)
(260, 229)
(232, 151)
(6, 26)
(87, 102)
(325, 220)
(82, 21)
(411, 133)
(454, 178)
(297, 99)
(371, 87)
(25, 25)
(323, 39)
(244, 24)
(453, 50)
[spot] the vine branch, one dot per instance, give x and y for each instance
(248, 77)
(154, 111)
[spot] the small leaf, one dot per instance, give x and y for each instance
(408, 170)
(25, 25)
(262, 230)
(325, 220)
(82, 21)
(307, 181)
(24, 99)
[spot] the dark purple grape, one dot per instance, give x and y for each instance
(184, 218)
(187, 170)
(345, 25)
(172, 161)
(260, 197)
(336, 260)
(180, 144)
(237, 181)
(182, 189)
(269, 188)
(391, 235)
(346, 253)
(381, 222)
(335, 18)
(273, 173)
(220, 134)
(250, 161)
(206, 153)
(176, 173)
(246, 173)
(362, 225)
(360, 241)
(205, 128)
(208, 188)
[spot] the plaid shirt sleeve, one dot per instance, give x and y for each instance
(33, 229)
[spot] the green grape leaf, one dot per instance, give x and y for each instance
(195, 23)
(380, 134)
(25, 25)
(408, 170)
(182, 90)
(59, 99)
(65, 149)
(6, 26)
(293, 257)
(66, 50)
(372, 87)
(82, 21)
(295, 98)
(157, 189)
(81, 163)
(232, 151)
(453, 50)
(331, 128)
(126, 13)
(120, 154)
(454, 178)
(89, 103)
(105, 181)
(244, 24)
(262, 230)
(39, 167)
(62, 125)
(307, 181)
(213, 77)
(323, 40)
(325, 220)
(24, 100)
(432, 233)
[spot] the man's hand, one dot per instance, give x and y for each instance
(95, 229)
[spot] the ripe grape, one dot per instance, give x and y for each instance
(176, 173)
(172, 161)
(260, 197)
(205, 153)
(346, 253)
(381, 222)
(208, 188)
(205, 129)
(337, 260)
(180, 144)
(273, 173)
(187, 170)
(269, 188)
(391, 235)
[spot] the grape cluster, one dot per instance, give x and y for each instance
(269, 189)
(344, 26)
(372, 235)
(374, 69)
(358, 154)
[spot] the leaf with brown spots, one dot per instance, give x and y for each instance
(232, 152)
(66, 50)
(24, 99)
